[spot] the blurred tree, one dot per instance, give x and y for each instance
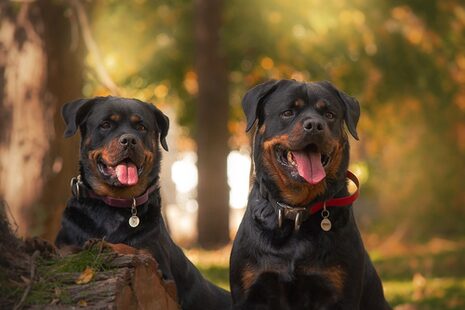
(173, 56)
(212, 119)
(402, 59)
(40, 69)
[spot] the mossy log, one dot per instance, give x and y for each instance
(33, 275)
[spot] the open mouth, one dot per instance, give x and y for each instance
(308, 163)
(125, 172)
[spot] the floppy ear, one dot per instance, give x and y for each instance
(351, 108)
(74, 113)
(254, 98)
(163, 124)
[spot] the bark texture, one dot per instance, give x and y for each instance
(26, 123)
(40, 70)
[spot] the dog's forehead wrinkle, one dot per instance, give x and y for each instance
(285, 98)
(127, 109)
(318, 92)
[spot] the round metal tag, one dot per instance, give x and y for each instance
(134, 221)
(325, 224)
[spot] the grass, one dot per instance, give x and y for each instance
(429, 276)
(434, 293)
(48, 287)
(214, 265)
(422, 276)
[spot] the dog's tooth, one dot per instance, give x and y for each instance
(290, 158)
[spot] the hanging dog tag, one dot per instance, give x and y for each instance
(325, 224)
(134, 219)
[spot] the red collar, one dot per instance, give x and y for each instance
(338, 202)
(80, 190)
(298, 215)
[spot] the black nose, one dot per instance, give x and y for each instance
(313, 126)
(128, 140)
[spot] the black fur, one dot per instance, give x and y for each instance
(279, 268)
(88, 218)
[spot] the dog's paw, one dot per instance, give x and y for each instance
(68, 250)
(45, 248)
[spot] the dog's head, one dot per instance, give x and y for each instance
(300, 146)
(120, 153)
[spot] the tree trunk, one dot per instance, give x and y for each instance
(212, 134)
(38, 73)
(25, 120)
(65, 58)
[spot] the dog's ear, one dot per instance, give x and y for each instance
(74, 113)
(163, 124)
(253, 99)
(351, 108)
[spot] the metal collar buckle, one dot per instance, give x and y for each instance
(287, 212)
(75, 185)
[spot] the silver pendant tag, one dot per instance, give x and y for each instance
(325, 224)
(134, 221)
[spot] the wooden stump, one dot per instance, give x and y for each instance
(100, 276)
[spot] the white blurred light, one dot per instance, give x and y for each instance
(185, 176)
(238, 178)
(192, 206)
(184, 173)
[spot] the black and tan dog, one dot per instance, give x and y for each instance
(298, 246)
(117, 197)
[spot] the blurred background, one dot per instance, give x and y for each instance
(403, 59)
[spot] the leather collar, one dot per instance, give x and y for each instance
(299, 215)
(80, 190)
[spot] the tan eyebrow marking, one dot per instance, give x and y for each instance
(135, 118)
(115, 117)
(299, 103)
(321, 104)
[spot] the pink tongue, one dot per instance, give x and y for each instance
(127, 173)
(309, 166)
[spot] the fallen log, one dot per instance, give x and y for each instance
(33, 275)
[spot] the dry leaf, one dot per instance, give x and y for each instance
(82, 303)
(55, 301)
(25, 280)
(85, 276)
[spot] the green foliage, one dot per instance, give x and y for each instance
(218, 274)
(430, 280)
(94, 258)
(402, 59)
(442, 293)
(53, 275)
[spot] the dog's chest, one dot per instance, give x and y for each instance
(105, 222)
(298, 285)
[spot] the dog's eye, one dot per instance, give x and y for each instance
(140, 127)
(105, 125)
(329, 115)
(287, 113)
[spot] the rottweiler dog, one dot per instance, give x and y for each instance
(117, 196)
(298, 246)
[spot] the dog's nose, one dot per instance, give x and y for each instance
(128, 140)
(313, 126)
